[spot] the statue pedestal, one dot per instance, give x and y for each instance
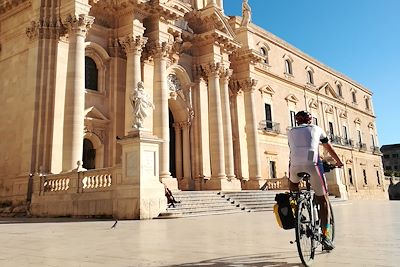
(335, 185)
(140, 194)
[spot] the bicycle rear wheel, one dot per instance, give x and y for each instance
(304, 232)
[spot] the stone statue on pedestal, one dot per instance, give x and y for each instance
(140, 102)
(246, 13)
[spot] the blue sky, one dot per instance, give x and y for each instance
(359, 38)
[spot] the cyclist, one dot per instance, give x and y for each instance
(304, 142)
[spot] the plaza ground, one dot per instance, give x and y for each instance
(368, 234)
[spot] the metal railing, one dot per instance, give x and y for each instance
(269, 126)
(361, 146)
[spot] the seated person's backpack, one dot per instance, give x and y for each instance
(284, 212)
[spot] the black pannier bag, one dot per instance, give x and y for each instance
(284, 212)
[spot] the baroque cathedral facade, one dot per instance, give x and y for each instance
(224, 93)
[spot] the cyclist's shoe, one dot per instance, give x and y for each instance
(327, 244)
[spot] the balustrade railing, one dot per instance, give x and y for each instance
(269, 126)
(93, 179)
(361, 146)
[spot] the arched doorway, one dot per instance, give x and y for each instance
(172, 165)
(89, 155)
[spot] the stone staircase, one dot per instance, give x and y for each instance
(199, 203)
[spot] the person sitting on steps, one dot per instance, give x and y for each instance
(170, 198)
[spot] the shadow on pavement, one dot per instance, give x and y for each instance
(19, 220)
(259, 260)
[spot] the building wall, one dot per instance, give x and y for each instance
(36, 74)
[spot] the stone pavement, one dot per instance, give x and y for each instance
(368, 234)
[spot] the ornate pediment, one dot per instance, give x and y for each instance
(313, 103)
(343, 114)
(329, 109)
(357, 121)
(371, 125)
(267, 90)
(93, 113)
(292, 98)
(328, 90)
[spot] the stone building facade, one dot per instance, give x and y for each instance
(390, 158)
(224, 95)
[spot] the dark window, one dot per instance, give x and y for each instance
(288, 67)
(395, 156)
(365, 176)
(268, 116)
(292, 118)
(353, 94)
(264, 54)
(386, 156)
(367, 103)
(331, 128)
(373, 140)
(396, 167)
(388, 168)
(350, 177)
(359, 136)
(272, 169)
(339, 90)
(378, 178)
(315, 121)
(345, 136)
(89, 155)
(91, 74)
(310, 77)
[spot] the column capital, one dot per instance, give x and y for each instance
(158, 49)
(212, 69)
(226, 73)
(78, 25)
(45, 29)
(133, 44)
(248, 84)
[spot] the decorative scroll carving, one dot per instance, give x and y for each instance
(46, 29)
(329, 109)
(173, 83)
(156, 49)
(313, 103)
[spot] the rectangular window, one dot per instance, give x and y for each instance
(395, 156)
(268, 116)
(373, 140)
(315, 121)
(345, 136)
(365, 176)
(272, 169)
(353, 94)
(386, 156)
(359, 137)
(367, 103)
(331, 128)
(388, 168)
(350, 176)
(378, 178)
(292, 119)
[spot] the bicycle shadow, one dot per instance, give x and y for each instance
(256, 260)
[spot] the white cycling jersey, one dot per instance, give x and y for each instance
(304, 142)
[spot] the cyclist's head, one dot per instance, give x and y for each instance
(303, 117)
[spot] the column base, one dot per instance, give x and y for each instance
(222, 185)
(253, 184)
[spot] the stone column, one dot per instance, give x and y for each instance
(160, 54)
(215, 122)
(133, 46)
(227, 123)
(186, 151)
(254, 163)
(75, 91)
(178, 150)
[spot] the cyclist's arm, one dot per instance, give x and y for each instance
(332, 152)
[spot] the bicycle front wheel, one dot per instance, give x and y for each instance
(331, 233)
(304, 232)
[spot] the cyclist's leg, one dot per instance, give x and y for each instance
(318, 183)
(294, 180)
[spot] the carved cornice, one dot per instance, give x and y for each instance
(10, 7)
(247, 55)
(78, 25)
(133, 44)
